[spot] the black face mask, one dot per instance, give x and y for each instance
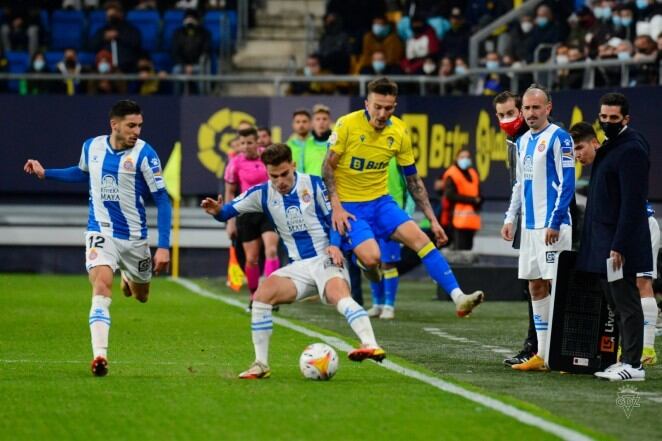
(70, 63)
(611, 129)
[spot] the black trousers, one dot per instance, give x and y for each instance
(623, 296)
(463, 239)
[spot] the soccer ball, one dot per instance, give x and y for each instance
(318, 361)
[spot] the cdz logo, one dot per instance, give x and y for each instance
(360, 164)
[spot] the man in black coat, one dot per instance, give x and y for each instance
(616, 226)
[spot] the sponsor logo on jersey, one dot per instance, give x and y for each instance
(361, 164)
(295, 221)
(110, 191)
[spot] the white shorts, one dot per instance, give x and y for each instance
(655, 243)
(537, 260)
(310, 276)
(133, 257)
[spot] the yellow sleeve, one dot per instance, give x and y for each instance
(405, 155)
(338, 138)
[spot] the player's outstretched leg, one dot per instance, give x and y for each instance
(337, 292)
(441, 273)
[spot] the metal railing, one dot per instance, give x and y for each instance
(424, 83)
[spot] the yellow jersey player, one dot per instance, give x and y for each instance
(356, 170)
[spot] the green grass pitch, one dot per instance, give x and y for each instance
(174, 361)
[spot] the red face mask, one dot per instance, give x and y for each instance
(511, 127)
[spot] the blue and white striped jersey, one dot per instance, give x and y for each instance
(545, 181)
(302, 217)
(119, 183)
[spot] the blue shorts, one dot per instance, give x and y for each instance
(390, 250)
(376, 219)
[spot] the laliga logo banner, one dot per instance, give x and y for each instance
(214, 138)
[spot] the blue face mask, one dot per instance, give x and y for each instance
(623, 56)
(626, 21)
(38, 64)
(491, 64)
(464, 163)
(597, 11)
(104, 67)
(378, 66)
(642, 4)
(542, 21)
(460, 70)
(306, 71)
(616, 19)
(381, 30)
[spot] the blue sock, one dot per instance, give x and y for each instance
(391, 280)
(438, 268)
(377, 289)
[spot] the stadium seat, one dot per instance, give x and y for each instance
(67, 29)
(212, 22)
(172, 20)
(162, 61)
(53, 58)
(44, 21)
(18, 62)
(96, 19)
(86, 59)
(149, 25)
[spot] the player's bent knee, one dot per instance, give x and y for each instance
(335, 290)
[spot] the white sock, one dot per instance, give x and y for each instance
(541, 321)
(100, 325)
(649, 306)
(261, 329)
(358, 319)
(456, 294)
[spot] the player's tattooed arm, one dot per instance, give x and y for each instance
(339, 216)
(419, 193)
(328, 173)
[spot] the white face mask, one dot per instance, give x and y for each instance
(104, 67)
(464, 163)
(562, 59)
(428, 68)
(526, 26)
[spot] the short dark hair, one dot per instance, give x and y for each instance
(276, 154)
(264, 129)
(535, 86)
(582, 131)
(301, 112)
(616, 99)
(250, 131)
(123, 108)
(383, 86)
(505, 96)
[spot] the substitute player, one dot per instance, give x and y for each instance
(543, 191)
(586, 146)
(121, 170)
(299, 208)
(355, 172)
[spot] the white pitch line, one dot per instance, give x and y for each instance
(494, 404)
(443, 334)
(158, 363)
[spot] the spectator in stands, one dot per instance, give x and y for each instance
(624, 24)
(20, 32)
(608, 76)
(103, 64)
(421, 45)
(356, 17)
(519, 38)
(481, 12)
(36, 87)
(334, 46)
(381, 38)
(546, 31)
(647, 9)
(312, 69)
(492, 83)
(461, 86)
(149, 83)
(379, 66)
(646, 50)
(67, 67)
(119, 37)
(571, 78)
(190, 50)
(582, 26)
(456, 40)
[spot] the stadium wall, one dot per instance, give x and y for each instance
(53, 129)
